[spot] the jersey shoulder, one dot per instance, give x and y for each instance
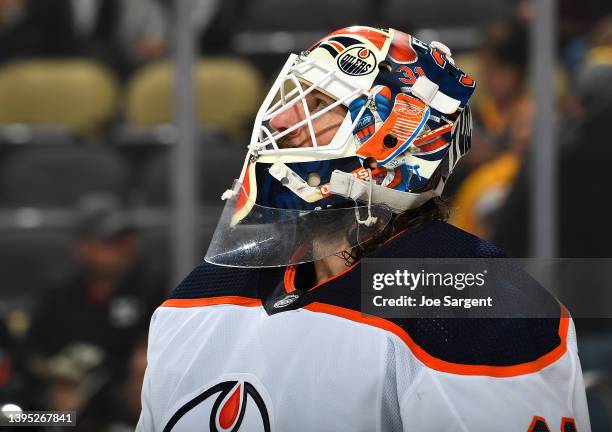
(209, 280)
(500, 347)
(487, 346)
(437, 239)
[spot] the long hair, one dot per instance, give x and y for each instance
(436, 208)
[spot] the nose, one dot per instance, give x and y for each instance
(287, 118)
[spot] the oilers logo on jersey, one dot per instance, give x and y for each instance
(235, 403)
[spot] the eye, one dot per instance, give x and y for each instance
(320, 104)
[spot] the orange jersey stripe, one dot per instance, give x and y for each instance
(289, 278)
(211, 301)
(444, 366)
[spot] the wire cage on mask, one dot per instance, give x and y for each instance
(341, 142)
(292, 88)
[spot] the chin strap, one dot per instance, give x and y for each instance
(347, 185)
(370, 220)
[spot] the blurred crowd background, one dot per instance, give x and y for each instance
(86, 135)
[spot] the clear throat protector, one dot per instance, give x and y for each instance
(273, 237)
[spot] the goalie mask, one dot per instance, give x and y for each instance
(364, 124)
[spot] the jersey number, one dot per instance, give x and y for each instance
(538, 424)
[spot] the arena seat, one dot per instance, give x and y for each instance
(228, 94)
(58, 175)
(79, 95)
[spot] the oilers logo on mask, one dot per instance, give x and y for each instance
(357, 61)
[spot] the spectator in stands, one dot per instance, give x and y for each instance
(76, 379)
(33, 28)
(129, 33)
(506, 111)
(213, 23)
(14, 389)
(505, 115)
(6, 362)
(601, 48)
(503, 129)
(109, 302)
(72, 376)
(584, 213)
(120, 33)
(123, 398)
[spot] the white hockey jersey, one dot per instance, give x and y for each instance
(229, 352)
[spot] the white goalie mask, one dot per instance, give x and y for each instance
(364, 124)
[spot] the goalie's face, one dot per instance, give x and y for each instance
(325, 126)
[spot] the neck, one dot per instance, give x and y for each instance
(328, 267)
